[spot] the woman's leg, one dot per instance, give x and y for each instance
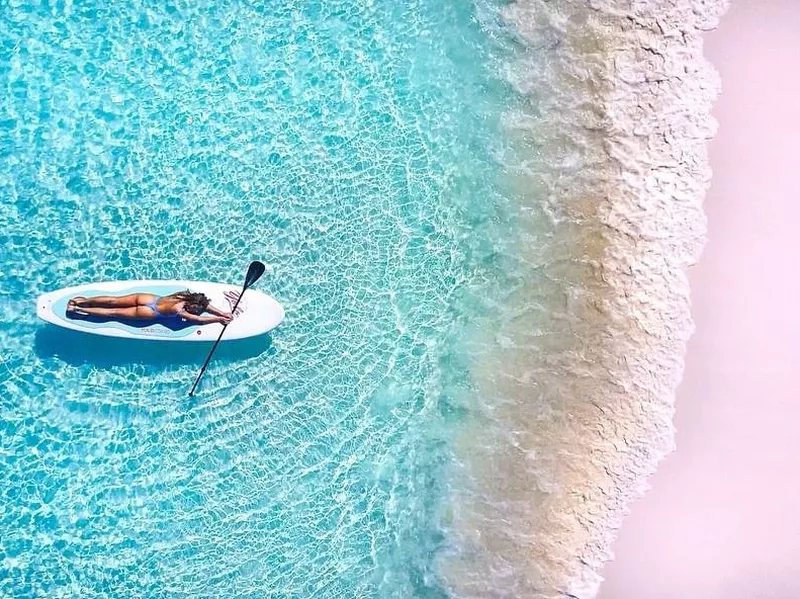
(111, 301)
(128, 313)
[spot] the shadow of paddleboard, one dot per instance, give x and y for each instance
(78, 348)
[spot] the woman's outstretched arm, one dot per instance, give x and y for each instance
(204, 319)
(217, 311)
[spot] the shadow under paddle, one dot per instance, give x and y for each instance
(79, 348)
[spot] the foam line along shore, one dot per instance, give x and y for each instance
(572, 392)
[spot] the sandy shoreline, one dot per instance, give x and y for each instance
(572, 392)
(721, 518)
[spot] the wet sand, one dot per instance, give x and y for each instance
(721, 519)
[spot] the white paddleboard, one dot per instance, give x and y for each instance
(256, 314)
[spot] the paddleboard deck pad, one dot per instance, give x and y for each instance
(256, 314)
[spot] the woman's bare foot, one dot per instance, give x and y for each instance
(73, 306)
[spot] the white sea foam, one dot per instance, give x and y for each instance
(572, 403)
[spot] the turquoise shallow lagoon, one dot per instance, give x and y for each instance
(478, 216)
(353, 148)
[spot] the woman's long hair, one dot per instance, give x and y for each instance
(196, 303)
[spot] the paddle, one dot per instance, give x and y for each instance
(254, 273)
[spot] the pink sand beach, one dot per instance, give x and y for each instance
(722, 519)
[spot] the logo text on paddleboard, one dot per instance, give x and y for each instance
(231, 297)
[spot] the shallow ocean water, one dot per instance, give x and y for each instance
(354, 148)
(478, 217)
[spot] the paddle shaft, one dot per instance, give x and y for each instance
(216, 343)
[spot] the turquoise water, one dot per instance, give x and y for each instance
(353, 147)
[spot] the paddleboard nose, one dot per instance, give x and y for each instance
(43, 306)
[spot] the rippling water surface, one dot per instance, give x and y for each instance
(477, 215)
(350, 145)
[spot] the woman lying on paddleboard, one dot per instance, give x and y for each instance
(146, 306)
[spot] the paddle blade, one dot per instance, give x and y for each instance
(254, 273)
